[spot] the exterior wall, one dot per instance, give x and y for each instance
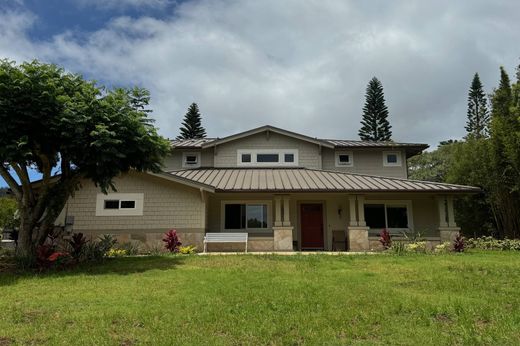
(173, 161)
(167, 205)
(308, 153)
(366, 161)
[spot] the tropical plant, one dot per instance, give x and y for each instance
(171, 240)
(187, 250)
(385, 239)
(77, 244)
(458, 243)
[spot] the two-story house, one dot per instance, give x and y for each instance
(288, 191)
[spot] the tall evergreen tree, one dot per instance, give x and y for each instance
(192, 125)
(478, 115)
(375, 125)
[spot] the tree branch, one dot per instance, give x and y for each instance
(11, 182)
(21, 171)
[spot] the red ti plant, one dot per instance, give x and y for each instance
(458, 243)
(385, 239)
(77, 245)
(172, 242)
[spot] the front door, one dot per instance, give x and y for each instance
(311, 221)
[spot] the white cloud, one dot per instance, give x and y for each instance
(124, 4)
(298, 65)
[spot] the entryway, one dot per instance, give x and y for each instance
(311, 224)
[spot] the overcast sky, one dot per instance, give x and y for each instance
(299, 65)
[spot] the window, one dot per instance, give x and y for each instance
(344, 159)
(245, 216)
(267, 157)
(391, 158)
(119, 204)
(395, 215)
(190, 160)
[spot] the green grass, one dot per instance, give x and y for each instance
(473, 298)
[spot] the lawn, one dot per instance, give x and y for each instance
(473, 298)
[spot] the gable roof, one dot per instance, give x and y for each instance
(308, 180)
(202, 143)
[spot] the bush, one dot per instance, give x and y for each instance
(130, 248)
(187, 250)
(416, 247)
(458, 243)
(443, 248)
(116, 253)
(97, 250)
(490, 243)
(77, 245)
(385, 239)
(398, 248)
(172, 241)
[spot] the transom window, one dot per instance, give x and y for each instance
(267, 157)
(191, 160)
(388, 215)
(391, 158)
(245, 216)
(119, 204)
(344, 159)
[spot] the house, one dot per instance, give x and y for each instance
(288, 191)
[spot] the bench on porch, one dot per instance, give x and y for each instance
(225, 238)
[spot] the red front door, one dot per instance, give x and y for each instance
(311, 221)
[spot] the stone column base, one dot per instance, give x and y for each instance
(448, 233)
(358, 238)
(283, 238)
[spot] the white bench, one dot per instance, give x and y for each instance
(225, 238)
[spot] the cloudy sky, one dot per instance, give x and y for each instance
(300, 65)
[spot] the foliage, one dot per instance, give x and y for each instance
(96, 250)
(8, 213)
(171, 240)
(192, 124)
(398, 248)
(432, 165)
(187, 250)
(375, 125)
(116, 253)
(478, 114)
(77, 244)
(416, 247)
(131, 248)
(385, 239)
(458, 243)
(443, 248)
(490, 243)
(50, 119)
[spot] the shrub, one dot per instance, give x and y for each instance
(47, 257)
(187, 250)
(96, 250)
(130, 248)
(490, 243)
(116, 253)
(458, 243)
(77, 244)
(397, 248)
(172, 241)
(416, 247)
(443, 248)
(385, 239)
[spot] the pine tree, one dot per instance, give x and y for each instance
(375, 125)
(192, 125)
(478, 114)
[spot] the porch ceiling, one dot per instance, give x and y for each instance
(308, 180)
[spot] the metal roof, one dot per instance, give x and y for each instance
(190, 143)
(351, 143)
(307, 180)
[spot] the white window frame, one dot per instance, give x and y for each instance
(247, 202)
(391, 164)
(254, 152)
(350, 155)
(396, 203)
(138, 198)
(190, 153)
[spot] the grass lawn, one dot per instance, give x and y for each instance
(472, 298)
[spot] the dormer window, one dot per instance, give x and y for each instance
(344, 159)
(391, 159)
(190, 160)
(267, 157)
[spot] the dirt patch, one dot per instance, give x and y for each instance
(443, 318)
(5, 341)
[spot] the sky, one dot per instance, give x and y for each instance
(299, 65)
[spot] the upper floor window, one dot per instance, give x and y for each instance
(191, 160)
(344, 159)
(267, 157)
(391, 158)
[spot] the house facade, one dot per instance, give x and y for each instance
(288, 191)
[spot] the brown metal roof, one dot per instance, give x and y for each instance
(190, 143)
(307, 180)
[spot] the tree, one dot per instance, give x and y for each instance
(478, 115)
(7, 213)
(433, 165)
(192, 124)
(375, 125)
(51, 120)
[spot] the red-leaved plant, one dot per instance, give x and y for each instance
(385, 239)
(77, 244)
(172, 242)
(458, 243)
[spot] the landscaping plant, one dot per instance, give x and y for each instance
(458, 243)
(187, 250)
(172, 242)
(77, 244)
(385, 239)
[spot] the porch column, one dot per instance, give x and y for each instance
(352, 206)
(361, 211)
(442, 211)
(278, 211)
(286, 216)
(451, 214)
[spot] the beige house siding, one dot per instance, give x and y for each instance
(167, 205)
(366, 161)
(308, 153)
(174, 160)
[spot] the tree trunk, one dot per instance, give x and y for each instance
(25, 248)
